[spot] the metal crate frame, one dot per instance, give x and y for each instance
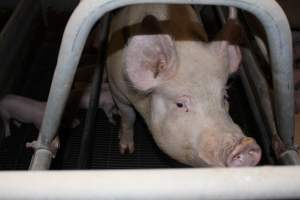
(82, 20)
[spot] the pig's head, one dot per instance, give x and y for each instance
(185, 84)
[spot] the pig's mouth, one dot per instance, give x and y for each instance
(245, 153)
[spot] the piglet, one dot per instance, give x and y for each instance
(21, 109)
(106, 102)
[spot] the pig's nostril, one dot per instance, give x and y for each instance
(238, 157)
(247, 153)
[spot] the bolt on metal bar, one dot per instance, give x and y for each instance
(88, 12)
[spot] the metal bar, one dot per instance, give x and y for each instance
(94, 97)
(249, 70)
(209, 183)
(88, 12)
(290, 157)
(258, 93)
(45, 157)
(265, 120)
(87, 135)
(263, 129)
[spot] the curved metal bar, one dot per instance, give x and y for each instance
(89, 11)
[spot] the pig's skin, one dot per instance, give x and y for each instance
(26, 110)
(82, 89)
(106, 102)
(22, 109)
(176, 82)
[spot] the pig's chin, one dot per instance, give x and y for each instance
(198, 161)
(186, 155)
(195, 163)
(193, 160)
(184, 147)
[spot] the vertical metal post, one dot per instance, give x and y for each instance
(94, 97)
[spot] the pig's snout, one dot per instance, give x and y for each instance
(246, 153)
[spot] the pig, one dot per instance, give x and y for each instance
(161, 65)
(105, 101)
(27, 110)
(82, 88)
(22, 109)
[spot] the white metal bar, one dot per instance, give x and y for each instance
(213, 183)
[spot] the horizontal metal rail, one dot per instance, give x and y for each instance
(87, 135)
(210, 183)
(88, 12)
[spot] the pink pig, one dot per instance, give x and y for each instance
(160, 63)
(22, 109)
(27, 110)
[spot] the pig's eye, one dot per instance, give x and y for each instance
(179, 105)
(182, 106)
(182, 103)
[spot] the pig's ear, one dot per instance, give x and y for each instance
(150, 58)
(235, 57)
(227, 43)
(230, 52)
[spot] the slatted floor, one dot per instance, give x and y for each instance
(105, 151)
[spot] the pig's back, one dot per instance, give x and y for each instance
(180, 16)
(132, 15)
